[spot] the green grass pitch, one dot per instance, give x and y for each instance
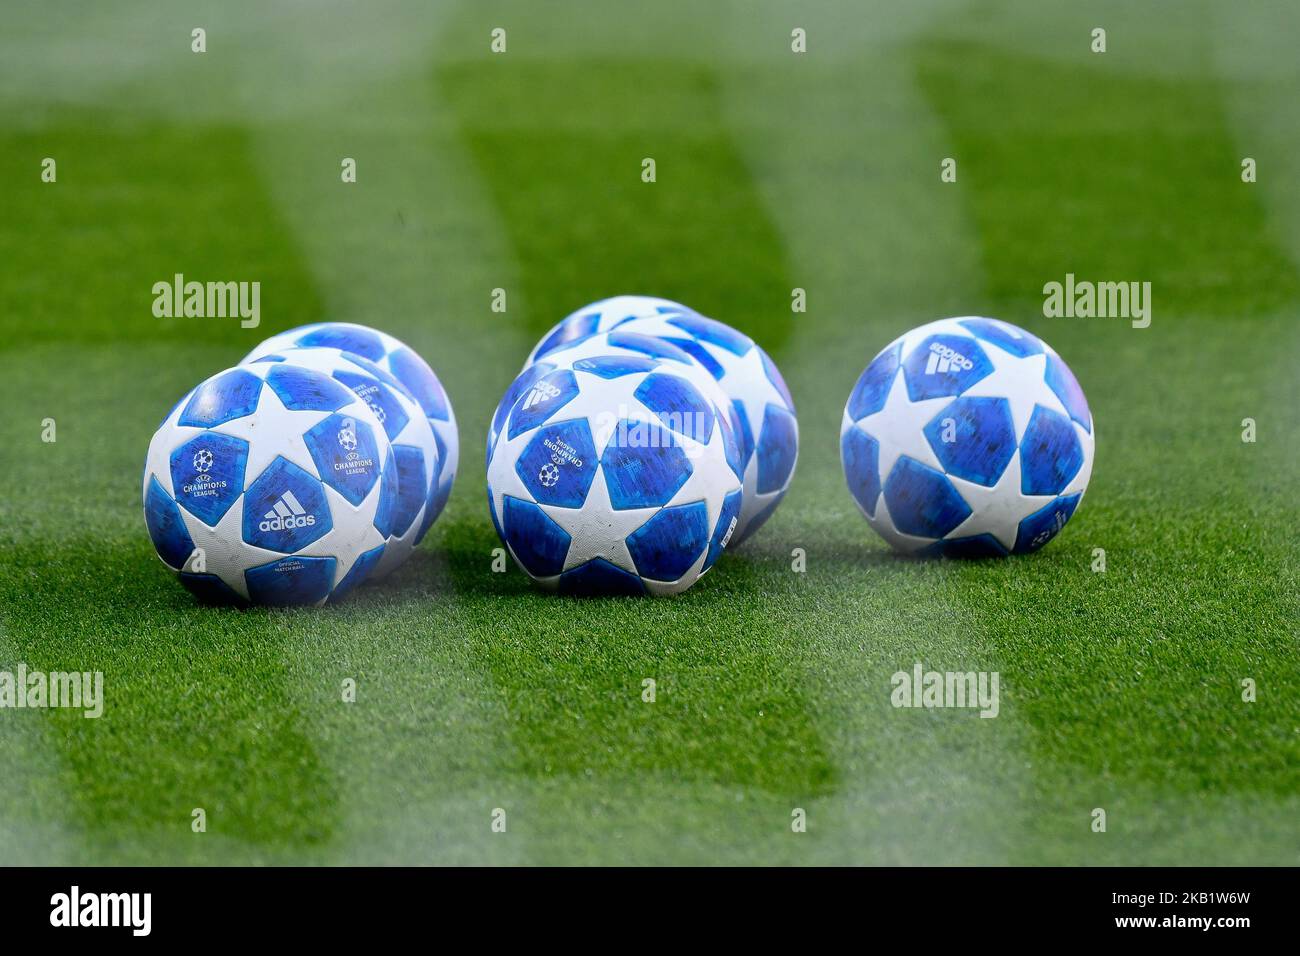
(521, 171)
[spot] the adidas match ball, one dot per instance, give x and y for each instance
(602, 316)
(613, 343)
(270, 483)
(613, 476)
(768, 431)
(415, 453)
(405, 365)
(967, 437)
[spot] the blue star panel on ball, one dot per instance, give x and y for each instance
(761, 406)
(967, 437)
(405, 365)
(600, 317)
(761, 410)
(611, 344)
(415, 450)
(273, 484)
(614, 476)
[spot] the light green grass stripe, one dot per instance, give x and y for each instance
(1132, 684)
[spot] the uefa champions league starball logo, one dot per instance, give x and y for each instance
(549, 475)
(348, 436)
(202, 460)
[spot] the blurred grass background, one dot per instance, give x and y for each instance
(774, 171)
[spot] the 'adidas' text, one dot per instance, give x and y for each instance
(943, 359)
(287, 514)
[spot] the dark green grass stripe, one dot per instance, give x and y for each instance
(1112, 175)
(200, 710)
(584, 225)
(134, 204)
(197, 708)
(729, 714)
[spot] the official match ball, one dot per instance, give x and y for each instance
(415, 452)
(967, 437)
(601, 316)
(405, 365)
(768, 431)
(615, 343)
(270, 483)
(613, 477)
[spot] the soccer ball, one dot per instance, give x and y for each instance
(602, 316)
(614, 343)
(270, 483)
(613, 476)
(967, 437)
(768, 431)
(415, 453)
(403, 364)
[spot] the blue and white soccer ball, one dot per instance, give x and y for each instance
(415, 451)
(613, 343)
(614, 476)
(601, 316)
(767, 429)
(967, 437)
(405, 365)
(270, 483)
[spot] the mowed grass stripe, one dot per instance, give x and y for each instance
(424, 756)
(136, 202)
(581, 220)
(729, 724)
(1131, 679)
(846, 155)
(197, 713)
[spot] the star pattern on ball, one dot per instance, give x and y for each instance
(219, 557)
(996, 510)
(710, 479)
(1021, 382)
(598, 521)
(899, 427)
(340, 541)
(933, 495)
(598, 530)
(593, 346)
(884, 525)
(758, 391)
(271, 417)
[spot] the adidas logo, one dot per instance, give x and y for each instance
(287, 515)
(541, 392)
(944, 359)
